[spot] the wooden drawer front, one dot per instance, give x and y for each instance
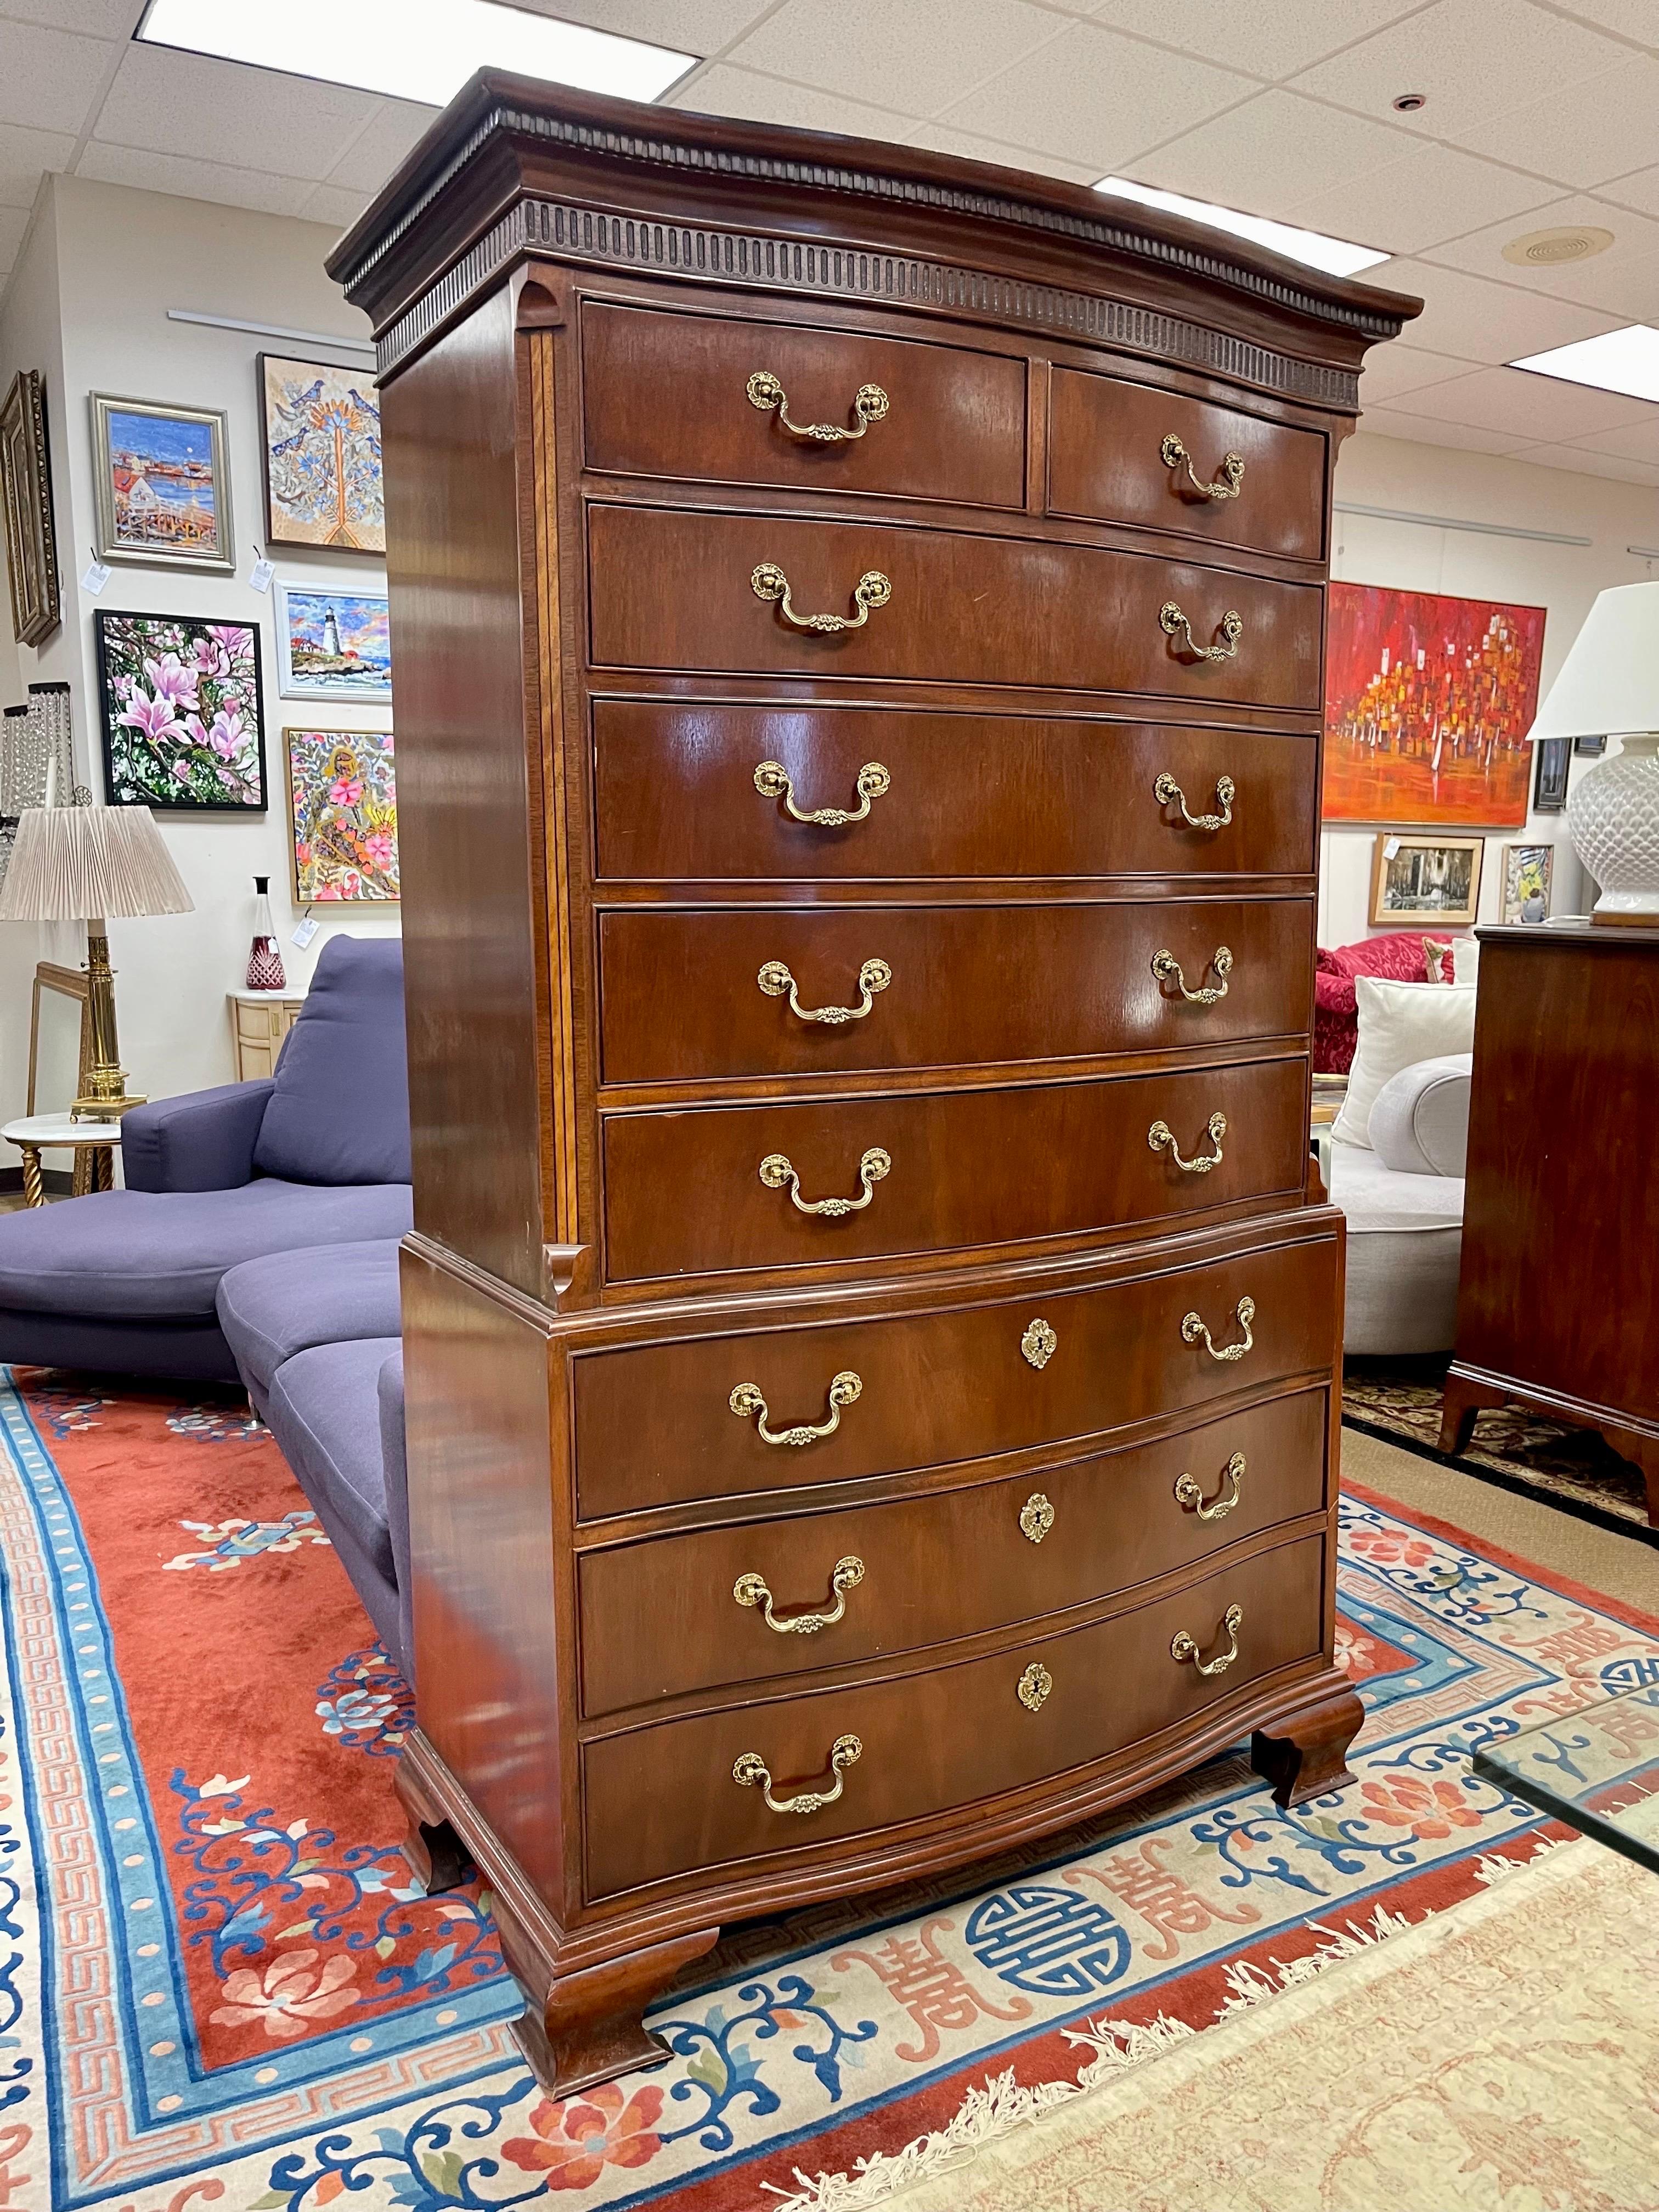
(966, 795)
(666, 395)
(672, 590)
(655, 1425)
(684, 1194)
(681, 998)
(957, 1564)
(662, 1800)
(1105, 461)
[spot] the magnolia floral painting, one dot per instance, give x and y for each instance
(182, 723)
(322, 444)
(342, 805)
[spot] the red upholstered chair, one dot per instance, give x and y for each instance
(1401, 956)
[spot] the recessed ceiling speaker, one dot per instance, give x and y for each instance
(1543, 249)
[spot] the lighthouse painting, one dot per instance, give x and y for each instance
(332, 645)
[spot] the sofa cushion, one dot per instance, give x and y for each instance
(286, 1302)
(1399, 1024)
(340, 1110)
(325, 1415)
(1379, 1202)
(137, 1254)
(1419, 1124)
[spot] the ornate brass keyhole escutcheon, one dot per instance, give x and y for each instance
(1034, 1685)
(1037, 1517)
(1039, 1343)
(870, 405)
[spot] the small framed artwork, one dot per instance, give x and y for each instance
(1549, 781)
(1431, 879)
(1589, 748)
(342, 812)
(180, 701)
(1526, 872)
(332, 645)
(321, 431)
(25, 493)
(161, 485)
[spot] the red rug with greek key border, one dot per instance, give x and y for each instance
(220, 1983)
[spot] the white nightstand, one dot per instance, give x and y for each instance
(259, 1020)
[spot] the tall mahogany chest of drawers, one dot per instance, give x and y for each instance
(870, 1335)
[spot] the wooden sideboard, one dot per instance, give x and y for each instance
(1557, 1298)
(869, 1331)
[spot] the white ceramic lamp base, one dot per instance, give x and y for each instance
(1613, 817)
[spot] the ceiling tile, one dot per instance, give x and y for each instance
(330, 204)
(288, 127)
(13, 221)
(693, 27)
(97, 19)
(48, 79)
(1593, 464)
(1410, 204)
(1094, 96)
(1267, 37)
(1637, 20)
(1619, 279)
(1517, 403)
(1481, 321)
(1274, 150)
(919, 55)
(191, 179)
(24, 154)
(369, 160)
(1582, 133)
(720, 89)
(1424, 430)
(1638, 189)
(1396, 367)
(1475, 58)
(1631, 442)
(942, 139)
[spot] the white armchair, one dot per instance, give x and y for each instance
(1404, 1201)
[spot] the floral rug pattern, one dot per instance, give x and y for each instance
(220, 1983)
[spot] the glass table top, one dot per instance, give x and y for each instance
(1596, 1769)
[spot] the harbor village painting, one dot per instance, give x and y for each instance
(322, 451)
(1428, 702)
(163, 493)
(333, 644)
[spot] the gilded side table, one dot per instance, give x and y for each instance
(45, 1133)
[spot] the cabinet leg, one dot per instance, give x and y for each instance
(1306, 1755)
(34, 1192)
(436, 1855)
(1459, 1405)
(590, 2027)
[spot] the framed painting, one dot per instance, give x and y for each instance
(1549, 790)
(343, 814)
(1431, 879)
(332, 645)
(320, 433)
(1428, 702)
(182, 723)
(25, 493)
(1526, 872)
(160, 484)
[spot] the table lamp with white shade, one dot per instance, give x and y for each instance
(1609, 687)
(85, 864)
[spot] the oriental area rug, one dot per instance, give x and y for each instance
(220, 1985)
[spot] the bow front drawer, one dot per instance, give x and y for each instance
(687, 997)
(783, 1775)
(722, 1416)
(774, 1598)
(705, 400)
(756, 594)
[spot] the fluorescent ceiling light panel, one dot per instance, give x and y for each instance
(1333, 255)
(421, 50)
(1619, 361)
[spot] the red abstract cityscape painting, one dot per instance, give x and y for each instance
(1428, 702)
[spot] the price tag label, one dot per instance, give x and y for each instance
(94, 577)
(1391, 848)
(262, 577)
(307, 930)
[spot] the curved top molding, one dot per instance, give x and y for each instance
(585, 133)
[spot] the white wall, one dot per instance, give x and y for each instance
(1433, 480)
(88, 307)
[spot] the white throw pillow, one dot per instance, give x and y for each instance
(1400, 1023)
(1465, 961)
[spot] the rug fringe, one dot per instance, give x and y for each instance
(1495, 1867)
(1249, 1984)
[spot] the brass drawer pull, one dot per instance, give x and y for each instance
(1182, 1648)
(870, 405)
(1033, 1686)
(1227, 483)
(875, 975)
(1193, 1329)
(844, 1390)
(772, 781)
(750, 1769)
(1168, 793)
(846, 1574)
(1168, 970)
(872, 589)
(1189, 1492)
(1161, 1137)
(776, 1170)
(1037, 1517)
(1171, 619)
